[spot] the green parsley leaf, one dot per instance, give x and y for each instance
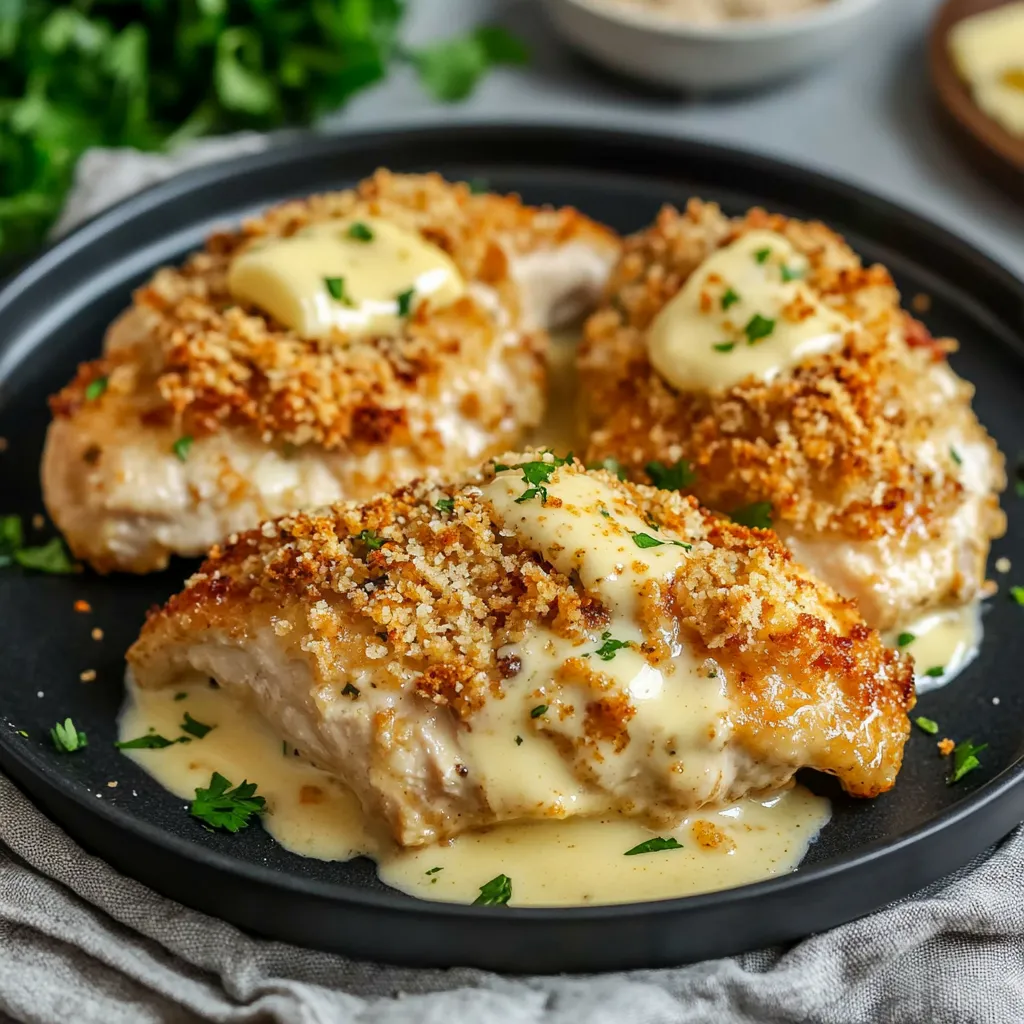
(607, 650)
(50, 557)
(404, 300)
(478, 185)
(965, 759)
(433, 871)
(445, 504)
(758, 327)
(360, 232)
(95, 388)
(180, 696)
(757, 515)
(671, 478)
(519, 741)
(645, 540)
(350, 691)
(220, 806)
(336, 289)
(905, 638)
(955, 456)
(371, 539)
(450, 70)
(284, 748)
(724, 346)
(1018, 488)
(182, 447)
(928, 725)
(11, 538)
(762, 255)
(655, 845)
(936, 671)
(66, 738)
(612, 466)
(538, 710)
(730, 298)
(497, 892)
(537, 474)
(1017, 594)
(194, 728)
(788, 274)
(151, 741)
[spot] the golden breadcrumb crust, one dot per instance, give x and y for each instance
(425, 584)
(827, 445)
(208, 361)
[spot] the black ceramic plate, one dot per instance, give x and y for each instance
(54, 315)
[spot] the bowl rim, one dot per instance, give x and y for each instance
(739, 30)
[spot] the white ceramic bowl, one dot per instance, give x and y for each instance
(733, 55)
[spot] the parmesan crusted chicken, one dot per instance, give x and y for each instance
(332, 348)
(537, 641)
(758, 364)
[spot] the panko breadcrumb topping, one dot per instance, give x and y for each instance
(203, 361)
(827, 445)
(427, 583)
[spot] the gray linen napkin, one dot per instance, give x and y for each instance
(79, 942)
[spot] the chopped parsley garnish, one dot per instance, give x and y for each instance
(536, 475)
(66, 738)
(928, 725)
(905, 638)
(284, 748)
(496, 893)
(336, 289)
(182, 447)
(604, 512)
(12, 537)
(350, 691)
(724, 346)
(445, 505)
(194, 728)
(433, 871)
(95, 388)
(788, 274)
(478, 185)
(671, 478)
(180, 696)
(936, 671)
(220, 806)
(757, 515)
(608, 649)
(730, 298)
(519, 741)
(371, 539)
(655, 845)
(965, 759)
(645, 540)
(151, 741)
(1017, 594)
(762, 255)
(404, 300)
(612, 465)
(1018, 488)
(360, 232)
(758, 327)
(51, 557)
(955, 456)
(538, 710)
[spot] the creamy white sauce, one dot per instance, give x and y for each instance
(946, 638)
(988, 51)
(551, 863)
(717, 12)
(292, 278)
(744, 312)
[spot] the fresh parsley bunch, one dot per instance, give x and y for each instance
(153, 73)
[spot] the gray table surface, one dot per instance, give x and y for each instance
(869, 116)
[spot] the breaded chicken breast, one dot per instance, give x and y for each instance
(759, 365)
(329, 349)
(537, 641)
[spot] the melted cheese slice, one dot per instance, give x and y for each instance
(332, 277)
(744, 312)
(988, 51)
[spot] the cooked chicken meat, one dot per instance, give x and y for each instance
(788, 380)
(537, 641)
(330, 349)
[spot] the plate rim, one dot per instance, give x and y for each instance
(994, 792)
